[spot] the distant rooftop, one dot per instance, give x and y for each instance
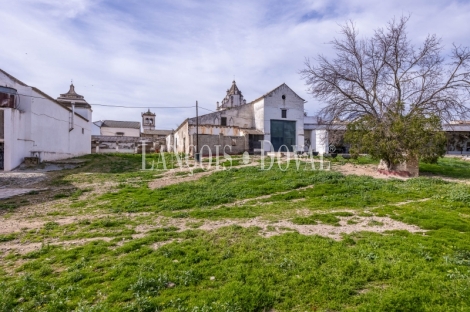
(158, 132)
(121, 124)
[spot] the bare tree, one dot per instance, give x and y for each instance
(386, 75)
(369, 76)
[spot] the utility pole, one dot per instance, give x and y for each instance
(196, 155)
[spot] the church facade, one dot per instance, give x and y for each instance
(276, 119)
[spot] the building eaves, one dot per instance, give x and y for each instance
(13, 78)
(274, 90)
(40, 92)
(158, 132)
(252, 131)
(45, 95)
(182, 124)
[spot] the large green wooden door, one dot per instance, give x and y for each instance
(282, 133)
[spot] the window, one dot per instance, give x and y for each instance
(223, 121)
(120, 133)
(83, 131)
(284, 113)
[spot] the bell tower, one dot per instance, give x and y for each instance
(148, 120)
(233, 98)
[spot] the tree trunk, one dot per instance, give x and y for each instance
(409, 168)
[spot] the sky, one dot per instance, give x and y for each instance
(172, 53)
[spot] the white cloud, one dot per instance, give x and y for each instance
(172, 53)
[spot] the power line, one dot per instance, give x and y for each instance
(122, 106)
(106, 105)
(210, 110)
(141, 107)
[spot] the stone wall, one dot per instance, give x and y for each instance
(121, 144)
(229, 144)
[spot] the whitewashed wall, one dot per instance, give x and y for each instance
(41, 126)
(273, 104)
(320, 137)
(215, 130)
(181, 139)
(17, 138)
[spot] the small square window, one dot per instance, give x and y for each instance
(223, 121)
(284, 113)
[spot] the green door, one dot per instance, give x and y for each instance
(282, 133)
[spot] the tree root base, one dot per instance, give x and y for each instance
(396, 173)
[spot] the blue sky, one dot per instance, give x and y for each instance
(172, 53)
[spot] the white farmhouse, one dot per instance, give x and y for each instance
(33, 124)
(277, 117)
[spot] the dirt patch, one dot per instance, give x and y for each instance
(370, 224)
(379, 225)
(268, 229)
(410, 201)
(21, 179)
(16, 225)
(161, 244)
(24, 248)
(365, 170)
(244, 201)
(172, 178)
(10, 192)
(371, 171)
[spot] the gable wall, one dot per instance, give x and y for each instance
(273, 104)
(241, 116)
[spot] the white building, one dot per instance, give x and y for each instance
(33, 124)
(113, 136)
(278, 117)
(120, 128)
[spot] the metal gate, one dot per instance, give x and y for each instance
(254, 142)
(282, 133)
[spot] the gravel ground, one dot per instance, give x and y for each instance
(20, 179)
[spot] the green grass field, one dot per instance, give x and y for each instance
(233, 241)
